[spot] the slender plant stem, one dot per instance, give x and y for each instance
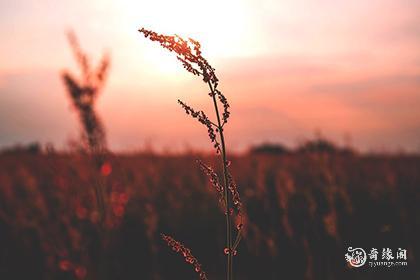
(229, 270)
(99, 186)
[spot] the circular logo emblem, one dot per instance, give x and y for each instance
(356, 257)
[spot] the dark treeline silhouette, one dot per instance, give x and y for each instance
(317, 145)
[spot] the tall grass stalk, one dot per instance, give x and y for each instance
(229, 269)
(83, 93)
(189, 53)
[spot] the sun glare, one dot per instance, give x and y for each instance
(223, 27)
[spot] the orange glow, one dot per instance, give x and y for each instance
(288, 67)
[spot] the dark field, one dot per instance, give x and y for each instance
(302, 212)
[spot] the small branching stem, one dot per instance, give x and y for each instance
(229, 269)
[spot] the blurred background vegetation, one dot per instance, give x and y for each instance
(304, 207)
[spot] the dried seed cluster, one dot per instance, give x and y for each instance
(186, 253)
(189, 53)
(237, 203)
(202, 118)
(214, 179)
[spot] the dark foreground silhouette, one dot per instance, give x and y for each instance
(303, 210)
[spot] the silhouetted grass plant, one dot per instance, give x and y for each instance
(188, 52)
(83, 93)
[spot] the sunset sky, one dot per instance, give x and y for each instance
(350, 69)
